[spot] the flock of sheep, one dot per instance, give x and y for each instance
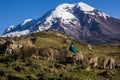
(63, 56)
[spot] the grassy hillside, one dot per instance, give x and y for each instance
(17, 68)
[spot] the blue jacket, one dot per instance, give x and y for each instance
(72, 48)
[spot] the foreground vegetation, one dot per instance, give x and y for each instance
(26, 68)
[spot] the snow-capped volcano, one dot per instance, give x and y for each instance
(79, 20)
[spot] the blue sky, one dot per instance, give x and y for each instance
(13, 12)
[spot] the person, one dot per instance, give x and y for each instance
(72, 48)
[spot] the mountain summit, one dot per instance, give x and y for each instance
(81, 21)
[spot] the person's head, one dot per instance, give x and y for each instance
(72, 43)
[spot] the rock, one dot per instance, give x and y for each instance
(53, 70)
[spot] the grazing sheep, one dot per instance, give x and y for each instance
(49, 53)
(89, 47)
(5, 47)
(92, 60)
(79, 57)
(108, 63)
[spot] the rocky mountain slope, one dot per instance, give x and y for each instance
(78, 20)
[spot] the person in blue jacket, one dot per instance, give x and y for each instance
(72, 48)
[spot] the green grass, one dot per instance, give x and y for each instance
(44, 69)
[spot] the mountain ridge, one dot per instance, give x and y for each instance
(81, 21)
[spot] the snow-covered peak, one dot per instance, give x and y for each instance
(85, 7)
(16, 33)
(26, 21)
(81, 5)
(10, 28)
(102, 14)
(63, 12)
(66, 11)
(64, 17)
(64, 7)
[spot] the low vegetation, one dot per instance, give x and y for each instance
(22, 66)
